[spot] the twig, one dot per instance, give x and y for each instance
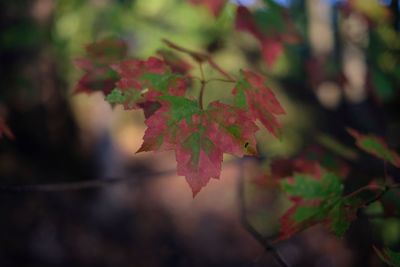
(87, 184)
(249, 228)
(383, 190)
(199, 57)
(219, 80)
(76, 186)
(203, 85)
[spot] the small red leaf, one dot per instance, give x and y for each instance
(244, 22)
(98, 74)
(145, 81)
(271, 45)
(271, 49)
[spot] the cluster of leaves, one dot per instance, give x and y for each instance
(317, 195)
(198, 135)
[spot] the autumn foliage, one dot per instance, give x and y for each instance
(200, 134)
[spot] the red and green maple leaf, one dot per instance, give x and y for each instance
(376, 146)
(98, 74)
(199, 137)
(315, 200)
(144, 81)
(252, 94)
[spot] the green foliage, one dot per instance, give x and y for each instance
(316, 200)
(199, 134)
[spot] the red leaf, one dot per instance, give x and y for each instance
(271, 49)
(271, 46)
(145, 81)
(259, 100)
(244, 22)
(98, 74)
(199, 137)
(214, 6)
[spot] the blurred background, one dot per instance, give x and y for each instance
(332, 64)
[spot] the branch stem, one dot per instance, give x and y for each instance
(249, 228)
(200, 57)
(203, 85)
(383, 190)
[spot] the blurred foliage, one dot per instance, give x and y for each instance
(39, 51)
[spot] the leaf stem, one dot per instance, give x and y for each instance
(88, 183)
(203, 85)
(248, 227)
(383, 190)
(220, 80)
(200, 57)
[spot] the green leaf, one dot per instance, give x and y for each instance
(180, 108)
(316, 200)
(376, 146)
(160, 82)
(308, 187)
(116, 97)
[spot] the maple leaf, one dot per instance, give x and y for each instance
(98, 74)
(316, 200)
(199, 137)
(390, 257)
(376, 146)
(214, 6)
(271, 44)
(143, 81)
(252, 94)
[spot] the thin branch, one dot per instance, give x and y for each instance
(377, 197)
(383, 190)
(249, 228)
(199, 57)
(219, 80)
(219, 69)
(80, 185)
(88, 184)
(203, 85)
(361, 190)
